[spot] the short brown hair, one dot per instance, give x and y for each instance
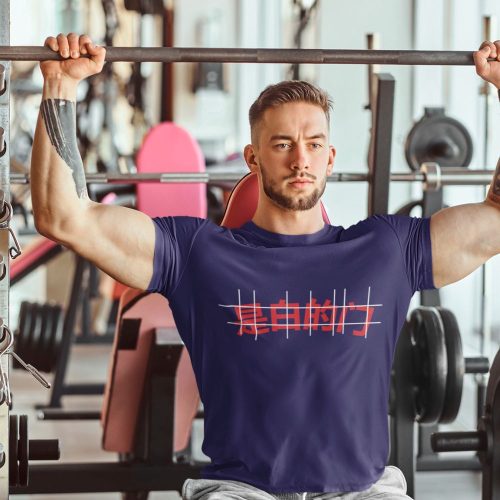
(285, 92)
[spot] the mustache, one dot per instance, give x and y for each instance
(302, 176)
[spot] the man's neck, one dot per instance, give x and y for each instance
(292, 222)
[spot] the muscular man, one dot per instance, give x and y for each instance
(291, 324)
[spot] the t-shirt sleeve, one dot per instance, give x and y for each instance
(174, 238)
(414, 236)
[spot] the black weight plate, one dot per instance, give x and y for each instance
(56, 336)
(438, 138)
(429, 363)
(42, 361)
(456, 366)
(45, 313)
(34, 333)
(13, 441)
(23, 331)
(23, 451)
(408, 208)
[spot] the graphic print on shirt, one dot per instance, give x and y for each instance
(336, 315)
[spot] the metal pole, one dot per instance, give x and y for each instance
(294, 56)
(489, 29)
(449, 177)
(4, 236)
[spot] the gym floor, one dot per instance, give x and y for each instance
(80, 441)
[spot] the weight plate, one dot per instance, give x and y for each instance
(44, 355)
(39, 333)
(438, 138)
(23, 451)
(13, 438)
(34, 333)
(56, 336)
(22, 331)
(409, 207)
(429, 363)
(456, 366)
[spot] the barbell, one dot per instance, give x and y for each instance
(239, 55)
(432, 176)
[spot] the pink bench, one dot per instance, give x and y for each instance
(167, 147)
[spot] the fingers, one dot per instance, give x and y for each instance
(489, 50)
(62, 42)
(487, 61)
(97, 53)
(83, 42)
(51, 42)
(486, 50)
(74, 46)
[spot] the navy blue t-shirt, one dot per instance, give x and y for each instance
(292, 339)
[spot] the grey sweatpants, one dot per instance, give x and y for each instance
(391, 486)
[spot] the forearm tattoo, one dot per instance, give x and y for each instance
(59, 116)
(494, 192)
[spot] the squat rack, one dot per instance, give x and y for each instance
(379, 166)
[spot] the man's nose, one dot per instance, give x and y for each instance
(300, 158)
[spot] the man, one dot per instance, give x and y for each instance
(291, 324)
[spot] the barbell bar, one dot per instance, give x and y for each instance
(449, 177)
(237, 55)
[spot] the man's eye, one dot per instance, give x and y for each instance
(316, 145)
(283, 146)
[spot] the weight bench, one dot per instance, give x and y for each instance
(145, 328)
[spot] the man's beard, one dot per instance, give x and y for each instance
(299, 202)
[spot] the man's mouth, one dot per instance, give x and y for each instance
(300, 182)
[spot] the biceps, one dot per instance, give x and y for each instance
(118, 240)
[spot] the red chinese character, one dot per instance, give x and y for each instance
(285, 318)
(318, 314)
(368, 310)
(249, 316)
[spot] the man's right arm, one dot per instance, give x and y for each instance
(118, 240)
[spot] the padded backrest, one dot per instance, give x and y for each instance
(243, 201)
(170, 148)
(127, 373)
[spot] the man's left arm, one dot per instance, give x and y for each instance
(465, 236)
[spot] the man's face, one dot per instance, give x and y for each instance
(292, 155)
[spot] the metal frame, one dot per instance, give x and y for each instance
(4, 237)
(379, 162)
(225, 55)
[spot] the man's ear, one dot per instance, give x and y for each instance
(331, 160)
(250, 157)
